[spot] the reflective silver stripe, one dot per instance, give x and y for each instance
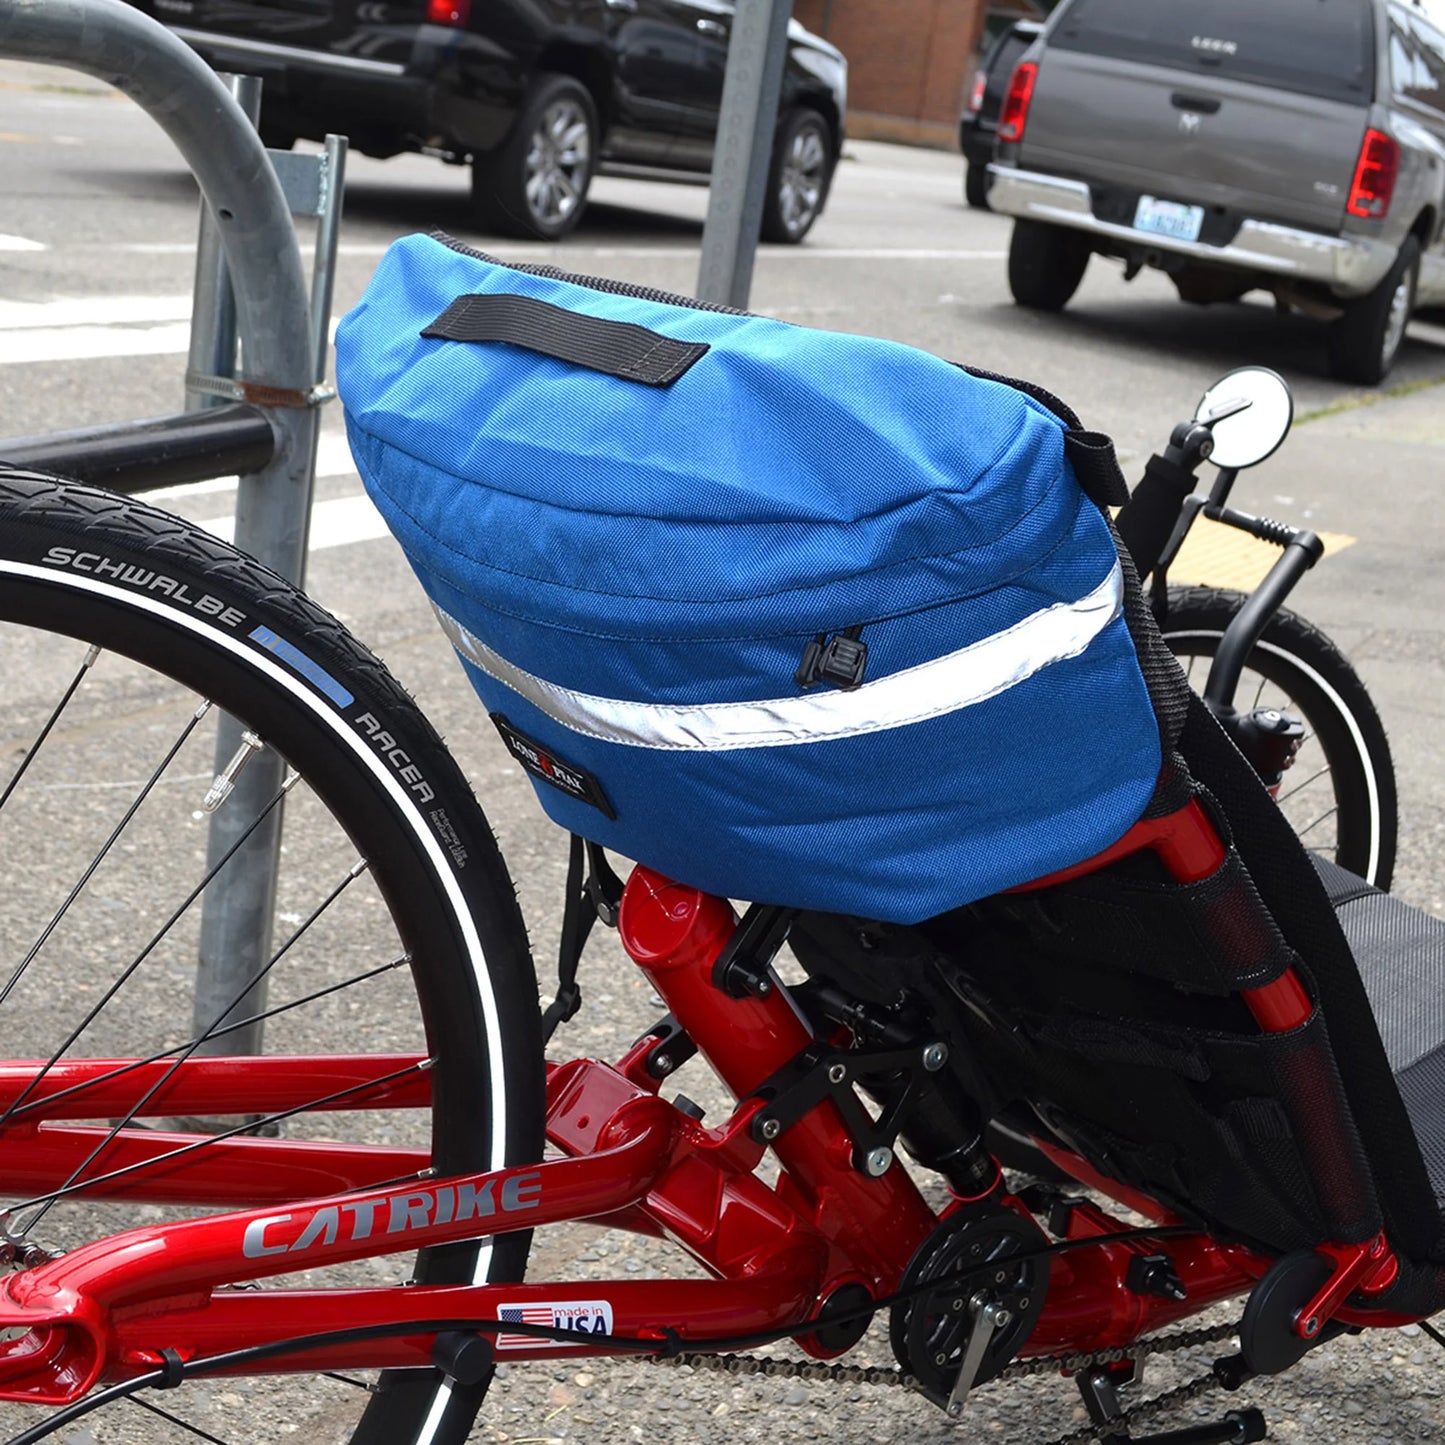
(971, 675)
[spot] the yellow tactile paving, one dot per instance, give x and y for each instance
(1214, 555)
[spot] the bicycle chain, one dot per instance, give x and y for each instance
(818, 1371)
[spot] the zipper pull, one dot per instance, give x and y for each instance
(841, 659)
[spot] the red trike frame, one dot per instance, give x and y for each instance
(621, 1156)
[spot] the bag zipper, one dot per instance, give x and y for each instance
(591, 283)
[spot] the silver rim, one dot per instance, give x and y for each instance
(800, 183)
(559, 161)
(1395, 321)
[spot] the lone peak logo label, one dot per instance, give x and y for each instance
(544, 765)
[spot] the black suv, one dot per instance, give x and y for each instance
(536, 95)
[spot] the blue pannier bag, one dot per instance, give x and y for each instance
(792, 616)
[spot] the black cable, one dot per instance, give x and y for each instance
(666, 1348)
(1433, 1333)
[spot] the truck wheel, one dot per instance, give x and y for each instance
(798, 178)
(975, 186)
(1365, 341)
(536, 184)
(1045, 264)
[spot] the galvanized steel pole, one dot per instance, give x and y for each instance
(743, 152)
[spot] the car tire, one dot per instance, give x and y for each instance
(975, 185)
(536, 184)
(799, 177)
(1046, 264)
(1366, 340)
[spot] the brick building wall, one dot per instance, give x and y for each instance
(910, 62)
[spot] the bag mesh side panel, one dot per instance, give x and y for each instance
(1294, 894)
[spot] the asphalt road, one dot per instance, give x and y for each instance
(97, 230)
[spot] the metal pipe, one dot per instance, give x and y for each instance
(114, 42)
(746, 122)
(160, 451)
(140, 57)
(213, 307)
(1248, 624)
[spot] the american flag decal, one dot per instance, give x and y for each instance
(591, 1316)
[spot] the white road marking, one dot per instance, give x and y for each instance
(73, 328)
(92, 311)
(336, 523)
(19, 243)
(506, 250)
(89, 343)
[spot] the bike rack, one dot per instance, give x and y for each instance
(262, 425)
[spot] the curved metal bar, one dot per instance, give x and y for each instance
(116, 43)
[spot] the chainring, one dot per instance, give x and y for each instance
(971, 1252)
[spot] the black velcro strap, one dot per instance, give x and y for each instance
(617, 348)
(1096, 467)
(1090, 452)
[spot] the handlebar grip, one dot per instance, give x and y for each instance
(1146, 521)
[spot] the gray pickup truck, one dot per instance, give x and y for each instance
(1296, 146)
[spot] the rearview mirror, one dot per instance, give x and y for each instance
(1249, 413)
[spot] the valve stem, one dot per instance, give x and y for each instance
(225, 781)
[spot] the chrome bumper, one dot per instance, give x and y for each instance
(1348, 265)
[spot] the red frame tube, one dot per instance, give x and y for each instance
(628, 1158)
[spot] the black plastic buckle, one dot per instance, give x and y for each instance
(842, 660)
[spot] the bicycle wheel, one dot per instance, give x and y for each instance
(135, 649)
(1340, 793)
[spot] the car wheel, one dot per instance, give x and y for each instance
(536, 184)
(975, 186)
(1365, 341)
(798, 178)
(1045, 264)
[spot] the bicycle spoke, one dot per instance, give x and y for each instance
(1329, 813)
(130, 1066)
(1300, 787)
(86, 664)
(146, 789)
(75, 1178)
(156, 939)
(44, 1201)
(347, 1380)
(176, 1420)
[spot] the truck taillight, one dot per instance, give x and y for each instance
(448, 12)
(1015, 110)
(975, 96)
(1375, 173)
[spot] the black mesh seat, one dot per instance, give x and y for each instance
(1400, 954)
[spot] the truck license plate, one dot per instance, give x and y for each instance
(1168, 218)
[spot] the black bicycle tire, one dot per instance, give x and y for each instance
(1294, 654)
(434, 858)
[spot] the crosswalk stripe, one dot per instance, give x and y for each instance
(69, 311)
(335, 523)
(92, 343)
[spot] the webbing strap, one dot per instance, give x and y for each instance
(616, 348)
